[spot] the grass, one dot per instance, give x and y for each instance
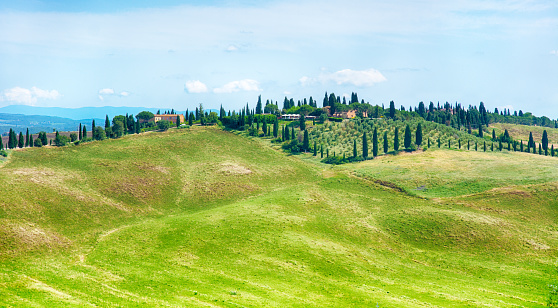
(203, 217)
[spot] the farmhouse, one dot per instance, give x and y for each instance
(168, 117)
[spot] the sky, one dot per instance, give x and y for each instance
(178, 54)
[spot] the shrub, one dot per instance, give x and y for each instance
(3, 153)
(163, 125)
(294, 147)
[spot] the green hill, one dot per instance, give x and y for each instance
(203, 217)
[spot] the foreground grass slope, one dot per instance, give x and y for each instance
(203, 217)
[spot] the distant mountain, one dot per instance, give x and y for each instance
(48, 119)
(37, 123)
(75, 113)
(84, 112)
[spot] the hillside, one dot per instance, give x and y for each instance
(203, 217)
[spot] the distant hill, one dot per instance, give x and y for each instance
(84, 112)
(37, 123)
(48, 119)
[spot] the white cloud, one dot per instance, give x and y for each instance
(554, 52)
(239, 85)
(24, 96)
(364, 78)
(106, 91)
(232, 48)
(110, 92)
(195, 86)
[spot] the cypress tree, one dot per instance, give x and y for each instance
(177, 121)
(386, 148)
(418, 137)
(459, 142)
(449, 144)
(276, 128)
(540, 149)
(396, 139)
(20, 142)
(84, 132)
(27, 138)
(92, 130)
(327, 152)
(492, 147)
(264, 126)
(531, 140)
(480, 130)
(375, 142)
(302, 122)
(1, 144)
(528, 148)
(107, 122)
(392, 110)
(364, 146)
(9, 145)
(485, 146)
(315, 149)
(476, 146)
(493, 134)
(552, 150)
(354, 149)
(306, 142)
(500, 146)
(439, 143)
(428, 142)
(468, 146)
(322, 151)
(544, 141)
(293, 133)
(79, 134)
(407, 139)
(137, 127)
(509, 146)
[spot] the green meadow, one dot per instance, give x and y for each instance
(203, 217)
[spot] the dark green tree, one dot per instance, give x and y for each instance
(386, 144)
(84, 132)
(531, 140)
(20, 142)
(302, 122)
(544, 141)
(306, 142)
(439, 143)
(392, 110)
(407, 140)
(164, 125)
(493, 134)
(293, 133)
(264, 126)
(354, 149)
(540, 149)
(259, 105)
(428, 146)
(79, 134)
(364, 146)
(375, 142)
(178, 121)
(1, 144)
(315, 149)
(418, 133)
(107, 122)
(276, 128)
(191, 119)
(480, 131)
(27, 138)
(396, 140)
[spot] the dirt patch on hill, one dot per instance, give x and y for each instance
(16, 238)
(232, 168)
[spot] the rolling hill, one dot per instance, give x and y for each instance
(203, 217)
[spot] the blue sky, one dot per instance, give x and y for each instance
(177, 54)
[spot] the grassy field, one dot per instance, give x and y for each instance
(521, 132)
(205, 218)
